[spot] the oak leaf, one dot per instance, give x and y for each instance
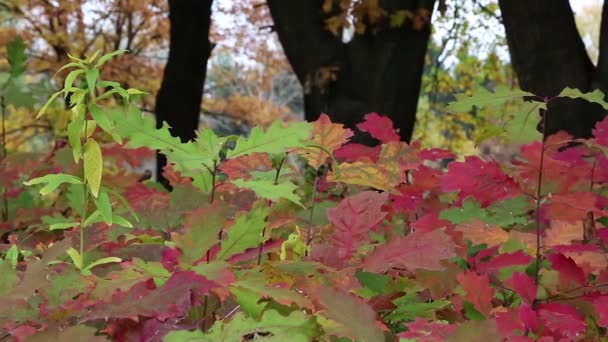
(330, 136)
(417, 250)
(354, 218)
(379, 127)
(478, 289)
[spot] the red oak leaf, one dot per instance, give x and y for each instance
(251, 253)
(417, 250)
(242, 167)
(601, 307)
(509, 323)
(484, 181)
(562, 320)
(410, 199)
(479, 292)
(568, 270)
(524, 286)
(600, 171)
(175, 177)
(557, 173)
(353, 220)
(505, 260)
(430, 222)
(600, 132)
(170, 258)
(529, 317)
(427, 178)
(421, 330)
(145, 198)
(23, 332)
(379, 127)
(572, 207)
(483, 256)
(356, 152)
(173, 299)
(132, 156)
(576, 248)
(419, 195)
(149, 330)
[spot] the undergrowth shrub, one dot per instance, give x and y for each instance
(295, 234)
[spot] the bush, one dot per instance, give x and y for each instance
(295, 234)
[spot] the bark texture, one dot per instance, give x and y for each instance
(378, 71)
(178, 101)
(548, 55)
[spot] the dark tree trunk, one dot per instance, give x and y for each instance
(378, 71)
(179, 99)
(548, 55)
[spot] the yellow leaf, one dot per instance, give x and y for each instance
(398, 157)
(562, 233)
(93, 166)
(366, 174)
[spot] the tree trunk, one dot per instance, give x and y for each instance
(548, 55)
(378, 71)
(179, 99)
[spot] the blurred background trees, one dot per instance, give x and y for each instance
(248, 80)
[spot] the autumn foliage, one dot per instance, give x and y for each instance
(295, 234)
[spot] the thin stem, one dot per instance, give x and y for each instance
(213, 179)
(591, 183)
(4, 153)
(3, 105)
(502, 286)
(592, 287)
(219, 239)
(86, 196)
(312, 210)
(539, 194)
(205, 305)
(236, 308)
(276, 181)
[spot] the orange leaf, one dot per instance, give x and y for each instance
(482, 233)
(327, 134)
(479, 292)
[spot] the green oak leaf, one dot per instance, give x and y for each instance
(272, 327)
(483, 98)
(268, 190)
(410, 307)
(470, 210)
(245, 233)
(596, 96)
(276, 139)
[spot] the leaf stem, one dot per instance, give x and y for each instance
(591, 182)
(275, 182)
(544, 114)
(312, 209)
(3, 105)
(205, 306)
(85, 197)
(213, 180)
(4, 153)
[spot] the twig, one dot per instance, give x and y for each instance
(544, 116)
(312, 209)
(4, 152)
(276, 181)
